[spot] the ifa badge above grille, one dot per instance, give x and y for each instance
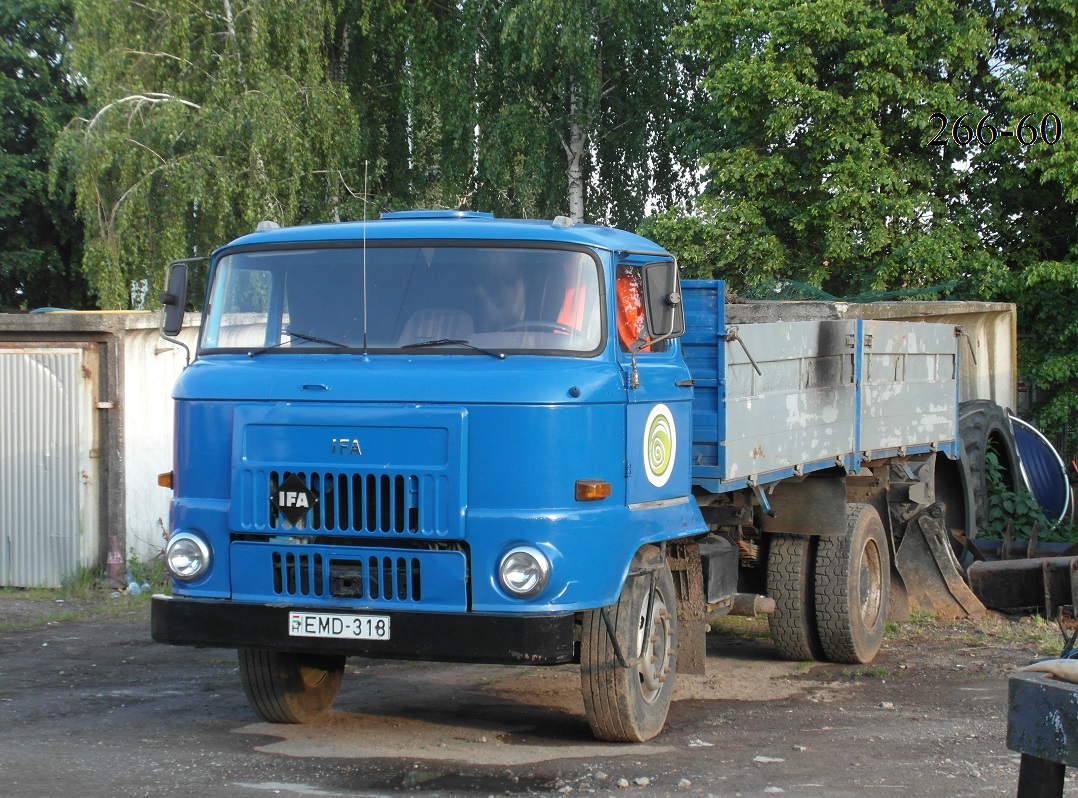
(293, 499)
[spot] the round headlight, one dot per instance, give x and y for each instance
(187, 556)
(524, 571)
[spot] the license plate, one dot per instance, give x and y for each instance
(350, 627)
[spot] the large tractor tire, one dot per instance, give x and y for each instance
(983, 425)
(290, 688)
(629, 702)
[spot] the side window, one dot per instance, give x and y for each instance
(631, 310)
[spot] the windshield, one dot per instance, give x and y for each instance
(426, 300)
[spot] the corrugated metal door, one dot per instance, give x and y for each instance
(47, 496)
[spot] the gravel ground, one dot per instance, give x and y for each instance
(90, 706)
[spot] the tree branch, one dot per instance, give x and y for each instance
(170, 57)
(153, 98)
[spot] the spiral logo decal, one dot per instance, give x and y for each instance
(660, 445)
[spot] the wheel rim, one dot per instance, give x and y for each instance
(654, 641)
(312, 677)
(871, 584)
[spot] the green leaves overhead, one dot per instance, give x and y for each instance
(39, 238)
(770, 140)
(815, 130)
(206, 118)
(579, 104)
(204, 122)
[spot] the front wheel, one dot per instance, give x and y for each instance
(629, 702)
(284, 687)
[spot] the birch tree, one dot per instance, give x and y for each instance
(205, 118)
(578, 103)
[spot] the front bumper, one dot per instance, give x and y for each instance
(535, 640)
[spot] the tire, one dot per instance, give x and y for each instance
(790, 569)
(629, 703)
(289, 688)
(982, 424)
(853, 574)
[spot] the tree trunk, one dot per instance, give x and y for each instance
(574, 151)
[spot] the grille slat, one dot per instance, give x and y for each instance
(298, 574)
(366, 503)
(377, 577)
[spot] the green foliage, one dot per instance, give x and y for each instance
(718, 242)
(577, 108)
(813, 140)
(1015, 507)
(206, 119)
(151, 571)
(1029, 195)
(1045, 292)
(807, 126)
(39, 233)
(82, 584)
(203, 124)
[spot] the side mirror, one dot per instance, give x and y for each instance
(174, 298)
(665, 315)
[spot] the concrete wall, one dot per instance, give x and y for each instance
(125, 436)
(152, 365)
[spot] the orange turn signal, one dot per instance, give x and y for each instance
(165, 480)
(590, 490)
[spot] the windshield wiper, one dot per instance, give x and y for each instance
(453, 342)
(302, 336)
(315, 339)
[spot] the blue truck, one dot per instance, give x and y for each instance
(445, 436)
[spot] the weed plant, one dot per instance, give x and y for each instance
(1018, 507)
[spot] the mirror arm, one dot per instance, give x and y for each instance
(178, 342)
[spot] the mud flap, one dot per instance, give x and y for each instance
(930, 571)
(686, 567)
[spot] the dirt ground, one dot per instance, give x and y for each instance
(90, 706)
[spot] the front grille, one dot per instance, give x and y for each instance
(332, 575)
(374, 577)
(354, 502)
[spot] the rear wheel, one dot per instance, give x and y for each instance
(284, 687)
(852, 580)
(790, 568)
(629, 703)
